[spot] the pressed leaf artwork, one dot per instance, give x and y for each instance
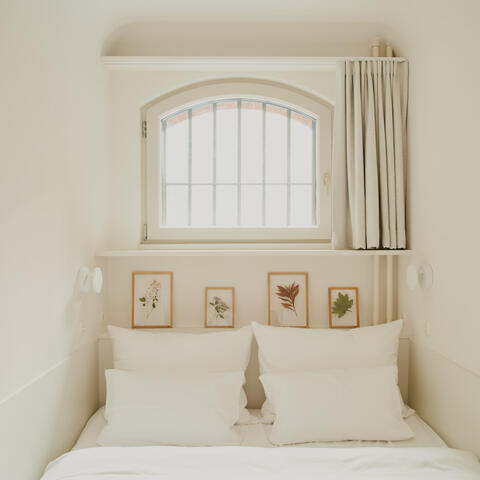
(151, 297)
(342, 305)
(288, 299)
(220, 307)
(287, 295)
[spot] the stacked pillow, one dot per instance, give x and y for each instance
(176, 388)
(331, 385)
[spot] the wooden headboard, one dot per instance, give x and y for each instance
(253, 387)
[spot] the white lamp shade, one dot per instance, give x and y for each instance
(87, 278)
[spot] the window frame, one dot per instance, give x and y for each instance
(238, 89)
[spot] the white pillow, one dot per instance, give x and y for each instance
(286, 349)
(173, 352)
(283, 349)
(181, 352)
(171, 409)
(336, 405)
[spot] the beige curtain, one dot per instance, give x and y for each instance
(369, 154)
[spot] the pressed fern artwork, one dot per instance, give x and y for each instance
(288, 299)
(343, 307)
(287, 295)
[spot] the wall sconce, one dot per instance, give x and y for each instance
(419, 276)
(87, 278)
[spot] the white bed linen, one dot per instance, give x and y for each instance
(215, 463)
(257, 435)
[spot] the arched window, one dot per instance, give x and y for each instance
(235, 168)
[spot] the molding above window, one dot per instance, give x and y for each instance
(253, 249)
(231, 63)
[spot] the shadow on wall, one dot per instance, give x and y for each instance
(241, 39)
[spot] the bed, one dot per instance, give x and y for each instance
(257, 434)
(423, 457)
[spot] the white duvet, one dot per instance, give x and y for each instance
(253, 463)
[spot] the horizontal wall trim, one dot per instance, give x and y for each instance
(445, 394)
(43, 374)
(444, 357)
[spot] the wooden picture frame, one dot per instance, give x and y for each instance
(219, 311)
(152, 298)
(345, 320)
(290, 310)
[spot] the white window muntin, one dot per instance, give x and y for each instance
(239, 101)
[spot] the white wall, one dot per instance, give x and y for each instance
(227, 38)
(53, 218)
(441, 40)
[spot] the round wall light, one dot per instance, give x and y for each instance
(87, 278)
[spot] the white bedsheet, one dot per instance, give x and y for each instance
(256, 435)
(215, 463)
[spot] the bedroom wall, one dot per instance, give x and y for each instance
(53, 211)
(54, 191)
(440, 38)
(128, 92)
(441, 41)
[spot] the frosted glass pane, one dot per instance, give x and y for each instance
(202, 212)
(251, 206)
(276, 206)
(276, 144)
(176, 206)
(301, 149)
(202, 144)
(301, 206)
(226, 206)
(252, 141)
(176, 149)
(227, 151)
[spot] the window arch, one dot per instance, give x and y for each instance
(243, 164)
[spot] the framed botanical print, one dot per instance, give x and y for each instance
(152, 294)
(343, 307)
(288, 299)
(219, 307)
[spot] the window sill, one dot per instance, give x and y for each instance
(169, 250)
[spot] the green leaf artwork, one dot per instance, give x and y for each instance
(220, 307)
(342, 305)
(151, 297)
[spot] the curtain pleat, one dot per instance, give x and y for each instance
(369, 154)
